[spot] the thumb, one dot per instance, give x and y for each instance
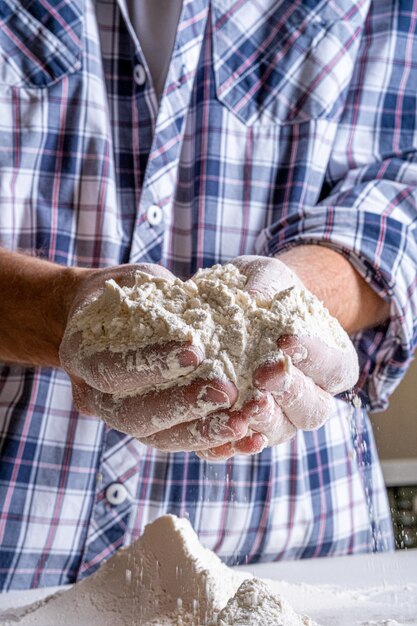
(333, 369)
(265, 275)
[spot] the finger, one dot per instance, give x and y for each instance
(220, 453)
(305, 404)
(265, 416)
(145, 414)
(333, 369)
(82, 397)
(126, 372)
(217, 429)
(214, 430)
(274, 424)
(266, 376)
(123, 275)
(252, 444)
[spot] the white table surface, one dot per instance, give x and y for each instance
(365, 570)
(365, 590)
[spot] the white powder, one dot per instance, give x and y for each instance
(179, 578)
(237, 330)
(255, 605)
(167, 578)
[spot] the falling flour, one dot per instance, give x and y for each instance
(236, 330)
(166, 578)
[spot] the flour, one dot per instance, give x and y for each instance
(255, 605)
(236, 330)
(166, 578)
(179, 578)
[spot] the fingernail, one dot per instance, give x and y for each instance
(190, 357)
(211, 395)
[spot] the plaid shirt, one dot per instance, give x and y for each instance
(282, 122)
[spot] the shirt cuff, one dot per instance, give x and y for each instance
(376, 246)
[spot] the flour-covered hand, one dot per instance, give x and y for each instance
(301, 386)
(160, 411)
(222, 434)
(305, 390)
(99, 378)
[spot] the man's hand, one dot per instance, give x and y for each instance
(303, 394)
(111, 372)
(295, 393)
(186, 417)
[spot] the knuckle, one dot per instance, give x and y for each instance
(238, 430)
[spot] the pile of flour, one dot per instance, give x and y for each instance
(166, 578)
(237, 330)
(255, 605)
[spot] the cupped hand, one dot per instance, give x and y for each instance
(120, 372)
(296, 392)
(101, 381)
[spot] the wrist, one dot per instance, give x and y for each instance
(36, 299)
(59, 301)
(332, 279)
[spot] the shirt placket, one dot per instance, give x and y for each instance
(155, 208)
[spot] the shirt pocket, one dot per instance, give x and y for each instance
(40, 42)
(283, 61)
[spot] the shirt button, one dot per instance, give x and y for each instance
(116, 493)
(154, 215)
(139, 74)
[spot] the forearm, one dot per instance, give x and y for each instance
(35, 299)
(331, 277)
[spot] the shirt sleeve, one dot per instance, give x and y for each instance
(367, 207)
(370, 217)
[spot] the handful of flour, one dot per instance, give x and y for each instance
(237, 330)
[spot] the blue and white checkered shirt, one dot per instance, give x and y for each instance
(282, 122)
